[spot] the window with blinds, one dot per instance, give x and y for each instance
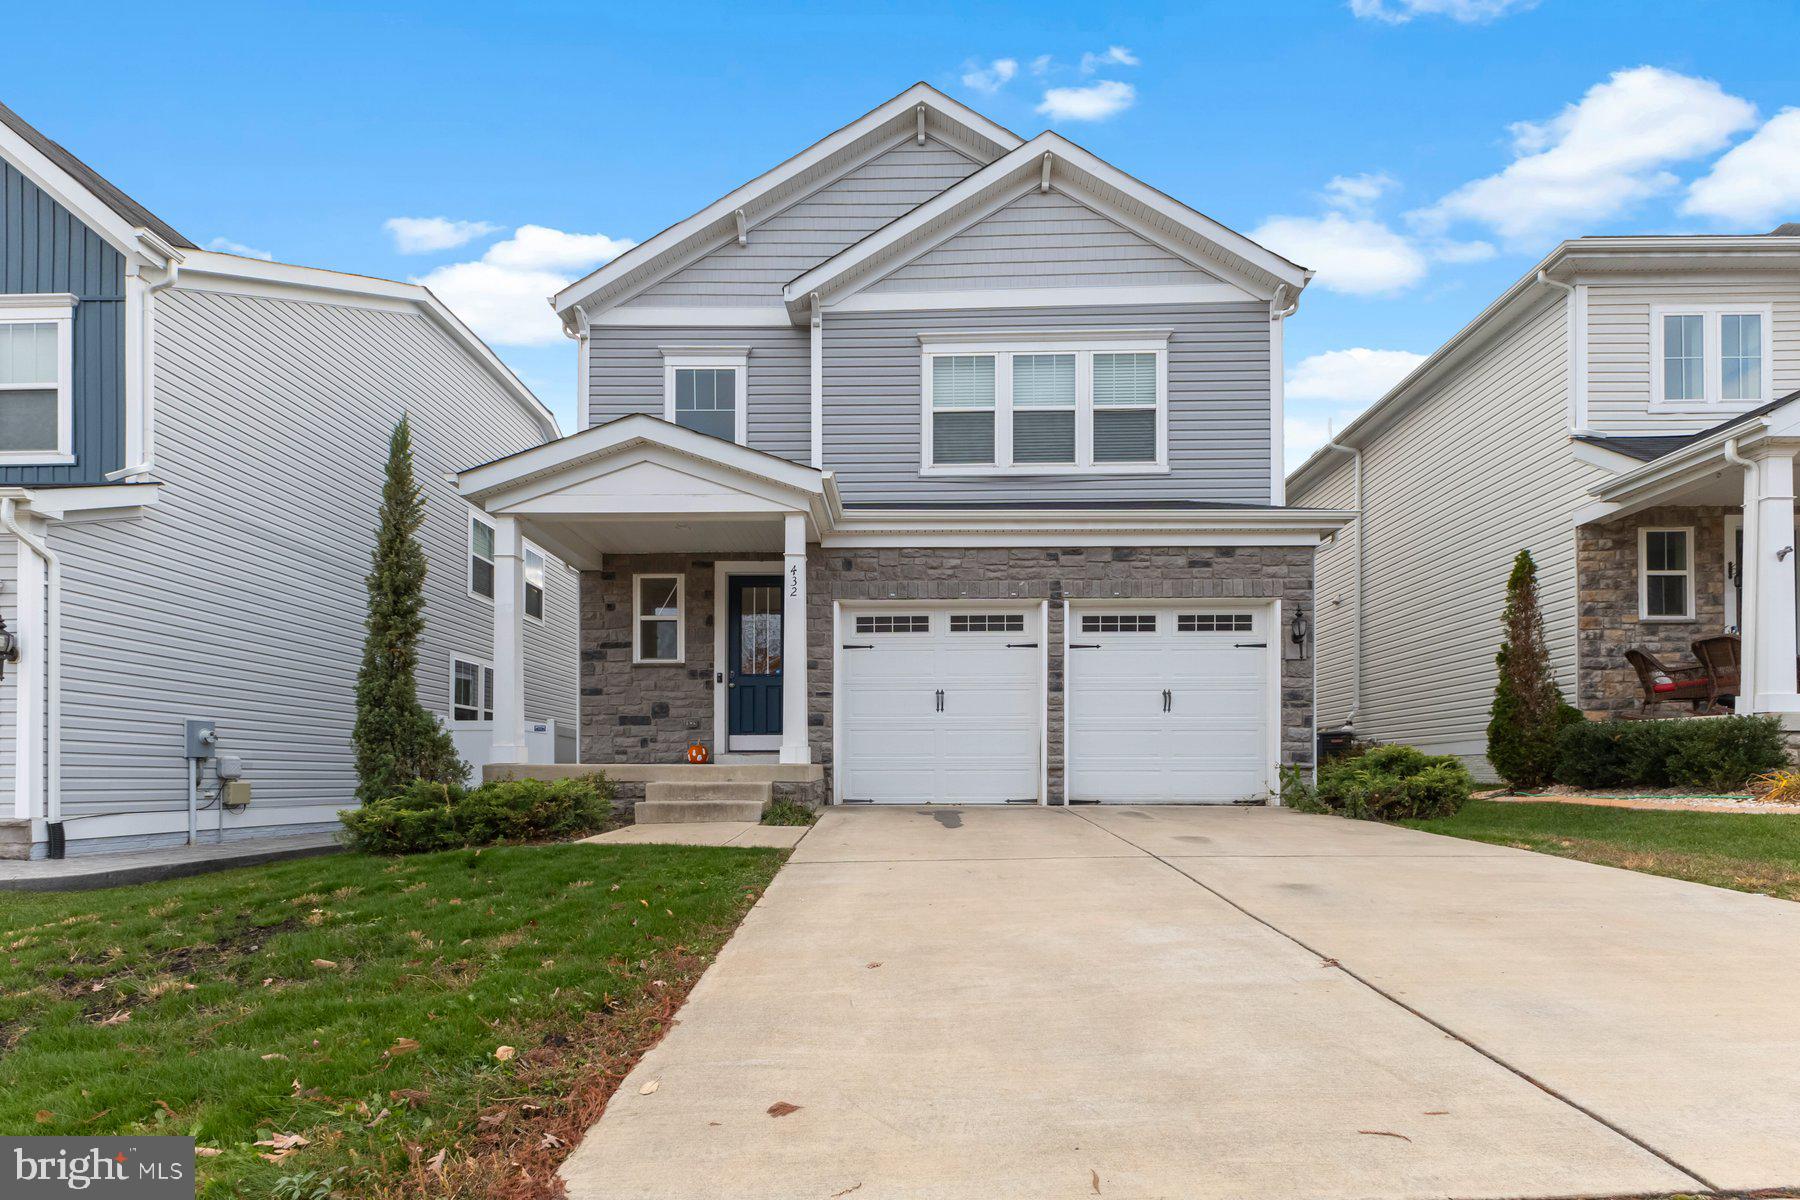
(1046, 408)
(35, 399)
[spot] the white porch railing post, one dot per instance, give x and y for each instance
(1770, 548)
(795, 745)
(509, 642)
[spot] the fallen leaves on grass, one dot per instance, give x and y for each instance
(782, 1108)
(402, 1045)
(324, 964)
(504, 1053)
(45, 1116)
(207, 1152)
(282, 1145)
(118, 1018)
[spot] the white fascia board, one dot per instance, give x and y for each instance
(1600, 456)
(1035, 297)
(491, 480)
(96, 214)
(1254, 525)
(998, 177)
(722, 209)
(207, 270)
(57, 504)
(1050, 537)
(683, 316)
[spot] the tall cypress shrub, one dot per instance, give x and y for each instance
(397, 739)
(1528, 711)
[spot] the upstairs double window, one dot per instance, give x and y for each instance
(1045, 406)
(36, 399)
(1709, 357)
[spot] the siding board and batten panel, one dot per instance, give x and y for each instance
(45, 249)
(1219, 405)
(1453, 489)
(241, 595)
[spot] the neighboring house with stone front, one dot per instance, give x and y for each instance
(1625, 412)
(191, 460)
(933, 465)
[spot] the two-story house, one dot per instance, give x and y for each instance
(934, 464)
(191, 457)
(1624, 411)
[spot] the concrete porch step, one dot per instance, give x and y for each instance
(672, 803)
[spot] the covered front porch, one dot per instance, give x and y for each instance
(1677, 554)
(693, 630)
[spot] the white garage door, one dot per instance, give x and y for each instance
(939, 706)
(1169, 705)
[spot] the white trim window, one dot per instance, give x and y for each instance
(1666, 574)
(37, 406)
(1044, 405)
(471, 691)
(1708, 357)
(534, 584)
(481, 558)
(658, 617)
(706, 391)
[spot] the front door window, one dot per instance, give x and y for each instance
(753, 656)
(759, 631)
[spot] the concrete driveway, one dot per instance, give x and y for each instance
(1179, 1002)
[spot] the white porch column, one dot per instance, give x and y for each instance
(795, 745)
(509, 642)
(30, 677)
(1769, 547)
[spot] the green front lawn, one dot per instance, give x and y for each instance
(362, 1004)
(1757, 852)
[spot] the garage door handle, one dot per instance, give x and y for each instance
(1168, 700)
(857, 646)
(1252, 645)
(1084, 645)
(1021, 645)
(940, 700)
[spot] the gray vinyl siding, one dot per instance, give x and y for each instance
(9, 690)
(811, 230)
(1619, 346)
(1453, 489)
(1042, 240)
(625, 371)
(1219, 408)
(241, 595)
(44, 248)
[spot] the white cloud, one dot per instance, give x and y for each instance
(1093, 102)
(1040, 66)
(423, 235)
(1757, 181)
(1469, 12)
(504, 295)
(227, 246)
(1356, 377)
(1598, 157)
(1112, 56)
(992, 77)
(1355, 193)
(1460, 252)
(1353, 254)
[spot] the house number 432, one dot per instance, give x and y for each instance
(794, 581)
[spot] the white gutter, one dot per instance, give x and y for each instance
(583, 327)
(1356, 642)
(52, 653)
(149, 377)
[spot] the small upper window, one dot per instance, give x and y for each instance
(1707, 357)
(36, 406)
(1213, 623)
(1119, 623)
(481, 558)
(888, 623)
(1665, 574)
(704, 391)
(987, 623)
(534, 584)
(658, 616)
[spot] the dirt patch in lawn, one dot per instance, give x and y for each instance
(1664, 799)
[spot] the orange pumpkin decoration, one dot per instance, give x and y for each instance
(697, 753)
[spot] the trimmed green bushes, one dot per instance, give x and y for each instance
(1717, 754)
(443, 816)
(1393, 783)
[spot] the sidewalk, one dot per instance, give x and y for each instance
(89, 871)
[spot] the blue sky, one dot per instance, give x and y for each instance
(1421, 154)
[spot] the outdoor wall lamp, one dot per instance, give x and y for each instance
(1298, 630)
(9, 647)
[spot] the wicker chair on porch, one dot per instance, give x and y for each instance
(1663, 685)
(1722, 655)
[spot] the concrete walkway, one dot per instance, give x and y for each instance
(85, 872)
(1214, 1003)
(703, 833)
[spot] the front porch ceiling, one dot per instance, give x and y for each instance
(582, 540)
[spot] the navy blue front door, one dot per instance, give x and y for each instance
(753, 658)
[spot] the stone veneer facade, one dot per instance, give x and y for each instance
(645, 714)
(1606, 566)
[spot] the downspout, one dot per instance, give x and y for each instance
(1747, 603)
(1356, 642)
(149, 377)
(1577, 336)
(52, 666)
(1279, 310)
(580, 336)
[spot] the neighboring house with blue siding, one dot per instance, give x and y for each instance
(934, 464)
(191, 451)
